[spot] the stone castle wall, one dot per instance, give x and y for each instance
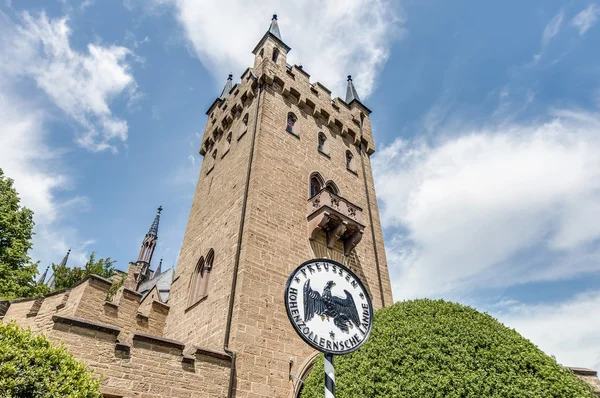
(123, 341)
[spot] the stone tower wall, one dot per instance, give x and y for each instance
(276, 234)
(213, 224)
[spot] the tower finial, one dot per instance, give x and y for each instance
(351, 94)
(274, 17)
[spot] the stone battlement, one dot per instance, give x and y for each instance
(122, 339)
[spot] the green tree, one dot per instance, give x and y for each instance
(17, 272)
(426, 348)
(65, 277)
(32, 367)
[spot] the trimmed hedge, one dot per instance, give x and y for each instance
(427, 348)
(31, 366)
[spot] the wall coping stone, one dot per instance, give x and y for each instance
(148, 338)
(132, 292)
(111, 304)
(583, 371)
(212, 353)
(161, 305)
(96, 278)
(24, 299)
(84, 323)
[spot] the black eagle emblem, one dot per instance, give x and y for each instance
(341, 310)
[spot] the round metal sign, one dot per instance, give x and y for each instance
(328, 306)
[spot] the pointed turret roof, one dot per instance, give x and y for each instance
(42, 277)
(158, 269)
(65, 258)
(351, 93)
(153, 231)
(274, 28)
(227, 88)
(274, 33)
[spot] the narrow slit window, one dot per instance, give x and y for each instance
(349, 161)
(291, 124)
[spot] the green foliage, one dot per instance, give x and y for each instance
(32, 367)
(427, 348)
(115, 287)
(65, 277)
(17, 273)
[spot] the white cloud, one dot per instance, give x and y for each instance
(550, 31)
(586, 18)
(568, 330)
(38, 175)
(81, 84)
(464, 211)
(552, 28)
(37, 49)
(330, 39)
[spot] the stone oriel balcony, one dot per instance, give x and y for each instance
(337, 217)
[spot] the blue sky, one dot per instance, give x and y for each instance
(486, 118)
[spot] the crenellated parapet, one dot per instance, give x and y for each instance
(90, 299)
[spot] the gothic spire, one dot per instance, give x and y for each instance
(158, 269)
(351, 93)
(153, 231)
(227, 88)
(42, 277)
(274, 28)
(65, 258)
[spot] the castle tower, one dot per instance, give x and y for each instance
(286, 177)
(139, 271)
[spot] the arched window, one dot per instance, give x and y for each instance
(291, 126)
(331, 187)
(316, 184)
(227, 144)
(196, 281)
(213, 159)
(275, 54)
(322, 144)
(200, 278)
(349, 161)
(261, 53)
(244, 125)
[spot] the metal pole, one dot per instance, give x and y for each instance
(329, 376)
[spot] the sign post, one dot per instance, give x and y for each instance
(329, 376)
(330, 309)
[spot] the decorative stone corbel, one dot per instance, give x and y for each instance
(336, 233)
(317, 223)
(353, 240)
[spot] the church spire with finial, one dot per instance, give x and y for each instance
(153, 231)
(42, 277)
(351, 94)
(158, 269)
(227, 89)
(149, 242)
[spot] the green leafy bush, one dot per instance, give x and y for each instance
(32, 367)
(427, 348)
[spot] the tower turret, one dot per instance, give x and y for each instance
(271, 46)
